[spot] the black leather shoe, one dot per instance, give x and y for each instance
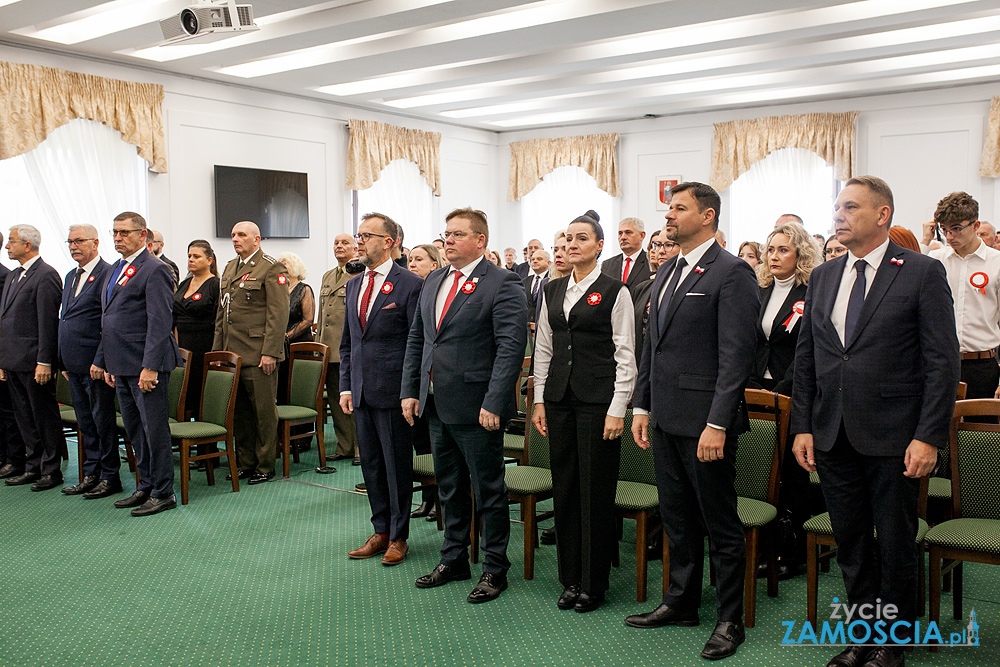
(442, 574)
(86, 484)
(490, 587)
(568, 598)
(423, 509)
(588, 602)
(46, 482)
(548, 536)
(104, 488)
(260, 478)
(884, 656)
(724, 640)
(663, 615)
(23, 478)
(240, 474)
(8, 470)
(136, 499)
(356, 461)
(853, 656)
(155, 506)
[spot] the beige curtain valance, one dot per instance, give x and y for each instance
(740, 143)
(989, 166)
(374, 145)
(530, 161)
(36, 100)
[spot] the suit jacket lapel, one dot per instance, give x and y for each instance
(460, 296)
(137, 264)
(795, 294)
(432, 285)
(19, 282)
(67, 297)
(390, 279)
(886, 274)
(691, 280)
(654, 296)
(640, 263)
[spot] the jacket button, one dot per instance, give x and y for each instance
(569, 347)
(846, 357)
(569, 363)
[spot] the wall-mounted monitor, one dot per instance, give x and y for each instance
(278, 201)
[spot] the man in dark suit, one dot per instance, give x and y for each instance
(136, 354)
(535, 281)
(11, 444)
(29, 324)
(79, 336)
(878, 327)
(154, 244)
(632, 266)
(699, 349)
(470, 332)
(523, 270)
(381, 303)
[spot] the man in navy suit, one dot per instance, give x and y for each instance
(136, 354)
(11, 444)
(381, 303)
(463, 358)
(699, 350)
(79, 336)
(29, 323)
(878, 329)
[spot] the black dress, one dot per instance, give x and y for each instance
(194, 319)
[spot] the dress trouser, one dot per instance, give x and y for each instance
(343, 424)
(256, 420)
(11, 443)
(147, 423)
(584, 482)
(94, 404)
(385, 448)
(37, 414)
(469, 459)
(981, 377)
(698, 498)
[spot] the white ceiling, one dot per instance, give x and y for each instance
(517, 64)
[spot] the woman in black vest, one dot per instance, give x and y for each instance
(584, 376)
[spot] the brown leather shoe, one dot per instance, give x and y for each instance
(396, 553)
(375, 545)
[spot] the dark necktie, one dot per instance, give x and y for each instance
(114, 276)
(76, 282)
(15, 276)
(856, 301)
(367, 299)
(534, 287)
(668, 293)
(450, 297)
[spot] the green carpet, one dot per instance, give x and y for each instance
(261, 577)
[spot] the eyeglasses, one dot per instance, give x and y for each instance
(663, 245)
(952, 231)
(124, 233)
(73, 242)
(458, 236)
(364, 236)
(836, 252)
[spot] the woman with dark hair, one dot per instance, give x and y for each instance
(833, 249)
(584, 376)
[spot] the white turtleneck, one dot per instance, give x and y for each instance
(778, 296)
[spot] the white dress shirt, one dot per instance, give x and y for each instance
(838, 316)
(381, 273)
(623, 335)
(27, 265)
(88, 269)
(448, 281)
(977, 315)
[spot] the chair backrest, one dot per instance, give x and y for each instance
(177, 388)
(218, 388)
(536, 445)
(761, 449)
(974, 450)
(63, 394)
(307, 374)
(636, 463)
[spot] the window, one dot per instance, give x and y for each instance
(563, 195)
(402, 194)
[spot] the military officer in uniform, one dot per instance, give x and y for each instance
(251, 322)
(332, 305)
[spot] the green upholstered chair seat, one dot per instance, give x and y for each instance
(636, 496)
(191, 430)
(121, 422)
(939, 487)
(67, 414)
(423, 465)
(528, 479)
(755, 513)
(820, 524)
(969, 534)
(814, 478)
(290, 412)
(513, 443)
(66, 408)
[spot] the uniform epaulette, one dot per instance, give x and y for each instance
(269, 258)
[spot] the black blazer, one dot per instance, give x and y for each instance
(29, 319)
(776, 352)
(173, 267)
(895, 380)
(534, 305)
(522, 270)
(637, 274)
(80, 320)
(640, 303)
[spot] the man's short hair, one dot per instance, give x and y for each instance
(984, 223)
(389, 226)
(956, 208)
(534, 254)
(89, 230)
(879, 188)
(28, 234)
(134, 217)
(477, 220)
(791, 215)
(506, 250)
(705, 195)
(639, 225)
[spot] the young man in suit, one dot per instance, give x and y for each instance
(135, 356)
(688, 403)
(381, 303)
(878, 328)
(29, 323)
(463, 357)
(79, 336)
(632, 266)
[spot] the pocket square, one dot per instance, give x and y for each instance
(391, 305)
(695, 294)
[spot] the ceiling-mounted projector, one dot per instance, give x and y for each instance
(207, 22)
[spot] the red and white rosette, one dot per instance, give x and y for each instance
(469, 287)
(593, 298)
(798, 308)
(386, 287)
(979, 280)
(129, 272)
(90, 279)
(196, 296)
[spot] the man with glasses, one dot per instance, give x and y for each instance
(29, 323)
(251, 321)
(79, 336)
(135, 356)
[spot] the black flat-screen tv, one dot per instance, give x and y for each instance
(278, 201)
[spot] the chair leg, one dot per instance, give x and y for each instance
(641, 535)
(320, 445)
(935, 589)
(956, 594)
(528, 512)
(185, 471)
(812, 577)
(231, 457)
(750, 579)
(210, 469)
(921, 582)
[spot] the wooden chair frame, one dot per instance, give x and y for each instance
(312, 352)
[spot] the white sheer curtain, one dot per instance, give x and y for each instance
(402, 194)
(790, 180)
(564, 194)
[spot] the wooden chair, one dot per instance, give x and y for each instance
(513, 443)
(973, 534)
(67, 415)
(220, 380)
(637, 498)
(306, 382)
(423, 478)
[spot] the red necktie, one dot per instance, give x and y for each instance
(450, 297)
(367, 299)
(628, 260)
